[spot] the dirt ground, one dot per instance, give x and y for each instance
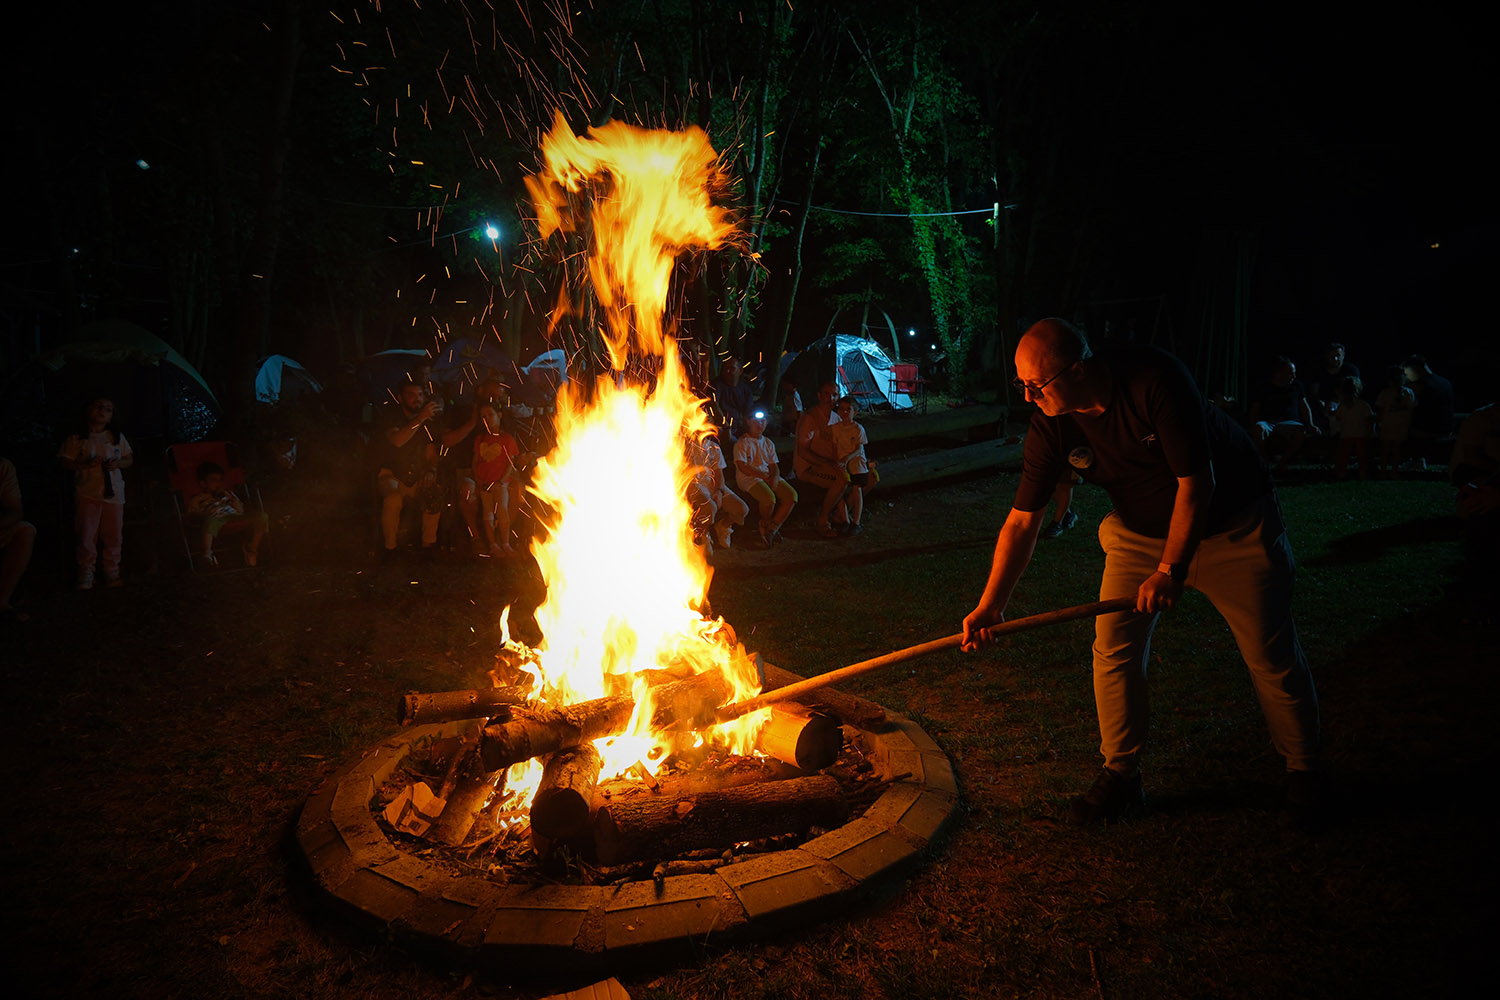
(164, 735)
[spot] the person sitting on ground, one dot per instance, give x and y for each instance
(493, 455)
(1281, 415)
(733, 398)
(849, 440)
(217, 507)
(1354, 423)
(758, 474)
(17, 539)
(716, 508)
(1393, 408)
(1063, 516)
(816, 461)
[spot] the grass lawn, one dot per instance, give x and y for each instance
(163, 737)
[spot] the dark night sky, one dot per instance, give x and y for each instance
(1349, 142)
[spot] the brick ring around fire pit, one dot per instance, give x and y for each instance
(473, 919)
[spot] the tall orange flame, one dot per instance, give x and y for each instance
(624, 581)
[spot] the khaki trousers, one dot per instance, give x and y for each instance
(1246, 572)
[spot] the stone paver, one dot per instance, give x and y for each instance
(351, 858)
(785, 882)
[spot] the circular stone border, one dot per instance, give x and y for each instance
(474, 919)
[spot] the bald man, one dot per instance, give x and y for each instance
(1193, 507)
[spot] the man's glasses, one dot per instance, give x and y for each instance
(1036, 390)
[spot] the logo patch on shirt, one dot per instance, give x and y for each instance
(1081, 457)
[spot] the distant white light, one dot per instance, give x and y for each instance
(932, 347)
(911, 333)
(143, 164)
(492, 231)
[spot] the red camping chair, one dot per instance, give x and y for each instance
(860, 386)
(908, 380)
(182, 476)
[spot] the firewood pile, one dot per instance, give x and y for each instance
(701, 808)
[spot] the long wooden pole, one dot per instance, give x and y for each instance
(793, 691)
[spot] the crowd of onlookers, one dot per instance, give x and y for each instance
(452, 461)
(1394, 423)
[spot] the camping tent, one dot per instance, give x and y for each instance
(280, 379)
(859, 367)
(157, 393)
(381, 374)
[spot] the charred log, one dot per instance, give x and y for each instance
(474, 785)
(531, 733)
(449, 706)
(650, 827)
(563, 803)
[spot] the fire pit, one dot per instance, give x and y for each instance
(356, 866)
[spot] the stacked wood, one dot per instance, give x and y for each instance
(470, 791)
(563, 803)
(651, 827)
(531, 733)
(853, 710)
(807, 740)
(450, 706)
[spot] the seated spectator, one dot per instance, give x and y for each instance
(407, 465)
(716, 508)
(1280, 415)
(17, 538)
(1323, 384)
(217, 507)
(1393, 409)
(815, 458)
(734, 400)
(1432, 420)
(1354, 422)
(758, 475)
(493, 457)
(849, 440)
(791, 405)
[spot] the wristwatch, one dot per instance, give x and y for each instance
(1177, 571)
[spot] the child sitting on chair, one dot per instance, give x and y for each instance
(218, 506)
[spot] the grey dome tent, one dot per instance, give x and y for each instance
(278, 378)
(859, 367)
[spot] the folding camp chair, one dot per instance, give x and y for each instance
(909, 381)
(859, 385)
(183, 461)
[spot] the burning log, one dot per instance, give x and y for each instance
(450, 706)
(563, 803)
(848, 708)
(650, 827)
(474, 785)
(687, 703)
(804, 739)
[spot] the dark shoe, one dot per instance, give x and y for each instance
(1069, 519)
(1113, 796)
(855, 529)
(1308, 805)
(1053, 530)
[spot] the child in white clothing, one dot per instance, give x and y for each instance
(849, 442)
(95, 456)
